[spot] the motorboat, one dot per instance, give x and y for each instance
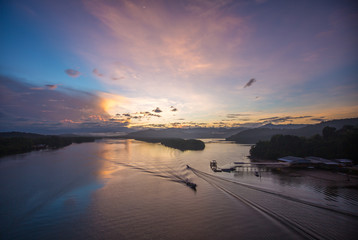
(190, 184)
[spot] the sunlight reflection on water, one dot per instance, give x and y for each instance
(126, 189)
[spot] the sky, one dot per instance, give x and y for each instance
(110, 66)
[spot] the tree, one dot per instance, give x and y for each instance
(328, 132)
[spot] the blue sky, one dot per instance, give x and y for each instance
(176, 63)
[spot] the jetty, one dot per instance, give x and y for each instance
(248, 166)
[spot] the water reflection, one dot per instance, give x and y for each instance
(131, 190)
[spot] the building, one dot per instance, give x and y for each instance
(344, 162)
(295, 161)
(322, 162)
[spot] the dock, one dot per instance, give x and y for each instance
(246, 166)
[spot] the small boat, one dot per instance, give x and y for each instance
(214, 166)
(190, 184)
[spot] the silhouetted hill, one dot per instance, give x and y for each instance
(177, 143)
(331, 144)
(186, 133)
(283, 126)
(19, 142)
(20, 134)
(251, 136)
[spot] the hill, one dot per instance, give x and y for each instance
(332, 144)
(20, 134)
(177, 143)
(188, 133)
(19, 142)
(252, 136)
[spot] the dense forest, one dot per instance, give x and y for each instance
(264, 133)
(15, 142)
(332, 144)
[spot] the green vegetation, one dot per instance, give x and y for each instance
(331, 144)
(15, 142)
(181, 144)
(177, 143)
(265, 133)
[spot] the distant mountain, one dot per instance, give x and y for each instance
(283, 126)
(251, 136)
(188, 133)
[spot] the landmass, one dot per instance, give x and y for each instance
(332, 144)
(186, 133)
(264, 133)
(177, 143)
(18, 142)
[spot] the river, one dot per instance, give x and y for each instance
(127, 189)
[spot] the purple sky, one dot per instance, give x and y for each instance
(106, 65)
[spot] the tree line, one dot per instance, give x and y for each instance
(15, 145)
(332, 144)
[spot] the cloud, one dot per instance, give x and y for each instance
(37, 88)
(147, 41)
(136, 116)
(97, 73)
(318, 119)
(50, 111)
(236, 115)
(51, 86)
(157, 110)
(148, 114)
(249, 83)
(72, 73)
(117, 78)
(282, 119)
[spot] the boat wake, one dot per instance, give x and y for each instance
(294, 214)
(180, 176)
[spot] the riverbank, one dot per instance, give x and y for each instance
(17, 142)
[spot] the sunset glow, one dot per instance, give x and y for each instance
(113, 65)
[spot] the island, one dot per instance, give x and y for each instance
(177, 143)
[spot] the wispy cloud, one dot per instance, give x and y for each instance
(280, 119)
(193, 46)
(97, 73)
(236, 115)
(250, 82)
(51, 86)
(157, 110)
(318, 119)
(72, 73)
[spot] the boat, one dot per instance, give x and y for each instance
(214, 166)
(190, 184)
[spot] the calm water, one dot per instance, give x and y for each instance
(125, 189)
